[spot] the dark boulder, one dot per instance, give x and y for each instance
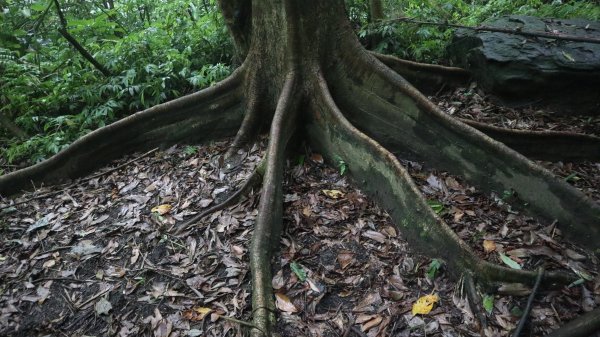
(534, 70)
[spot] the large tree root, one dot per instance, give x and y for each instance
(211, 113)
(544, 145)
(382, 176)
(428, 78)
(357, 89)
(251, 124)
(403, 120)
(583, 326)
(268, 223)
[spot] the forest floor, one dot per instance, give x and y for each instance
(105, 255)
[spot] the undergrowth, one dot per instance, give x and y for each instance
(428, 43)
(159, 51)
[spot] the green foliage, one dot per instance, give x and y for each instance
(509, 262)
(437, 206)
(428, 43)
(299, 271)
(342, 165)
(433, 268)
(488, 303)
(155, 52)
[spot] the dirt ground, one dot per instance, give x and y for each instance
(106, 255)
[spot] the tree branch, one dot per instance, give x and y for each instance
(63, 31)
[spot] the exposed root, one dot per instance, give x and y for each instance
(252, 182)
(529, 305)
(583, 326)
(383, 177)
(475, 302)
(250, 125)
(268, 223)
(544, 145)
(428, 78)
(406, 122)
(212, 112)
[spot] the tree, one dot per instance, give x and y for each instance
(306, 73)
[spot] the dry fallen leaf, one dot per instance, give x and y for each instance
(333, 194)
(345, 258)
(103, 306)
(283, 303)
(371, 324)
(373, 235)
(162, 209)
(424, 304)
(278, 281)
(196, 314)
(489, 246)
(317, 158)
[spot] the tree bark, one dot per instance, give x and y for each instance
(305, 71)
(376, 10)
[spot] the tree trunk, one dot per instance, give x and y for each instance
(305, 72)
(376, 10)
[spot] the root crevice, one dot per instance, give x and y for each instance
(382, 176)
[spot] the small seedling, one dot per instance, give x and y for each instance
(342, 166)
(434, 266)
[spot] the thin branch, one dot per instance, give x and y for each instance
(65, 33)
(516, 31)
(253, 181)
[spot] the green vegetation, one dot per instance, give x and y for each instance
(428, 43)
(154, 52)
(50, 94)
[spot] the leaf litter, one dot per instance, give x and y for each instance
(363, 280)
(97, 260)
(101, 258)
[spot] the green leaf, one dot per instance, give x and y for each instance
(341, 164)
(434, 266)
(509, 262)
(437, 206)
(488, 303)
(576, 283)
(299, 271)
(572, 177)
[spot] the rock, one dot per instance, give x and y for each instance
(534, 70)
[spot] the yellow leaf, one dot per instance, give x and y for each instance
(334, 194)
(196, 314)
(162, 209)
(424, 304)
(203, 311)
(489, 246)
